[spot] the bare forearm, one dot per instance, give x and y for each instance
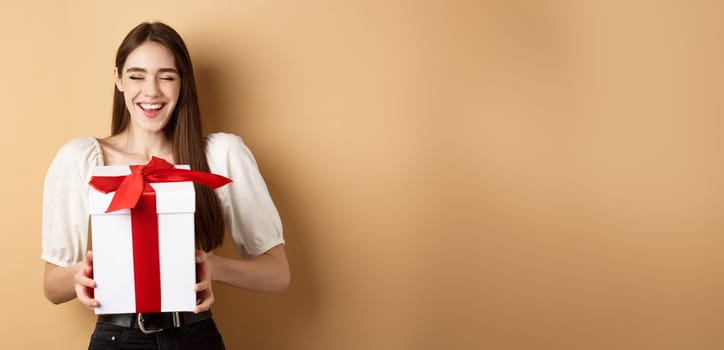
(59, 283)
(268, 272)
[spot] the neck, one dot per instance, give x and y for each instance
(146, 144)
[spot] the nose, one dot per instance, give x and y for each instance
(151, 88)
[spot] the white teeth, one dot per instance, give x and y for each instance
(151, 105)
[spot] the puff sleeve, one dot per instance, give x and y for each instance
(65, 202)
(249, 212)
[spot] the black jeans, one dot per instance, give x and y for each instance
(198, 335)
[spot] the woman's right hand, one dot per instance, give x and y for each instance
(84, 283)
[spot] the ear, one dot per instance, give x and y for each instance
(117, 78)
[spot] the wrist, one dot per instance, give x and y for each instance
(212, 265)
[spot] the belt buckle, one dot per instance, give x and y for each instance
(174, 316)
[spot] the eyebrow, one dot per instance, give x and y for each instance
(143, 70)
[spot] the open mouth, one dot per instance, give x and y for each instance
(151, 107)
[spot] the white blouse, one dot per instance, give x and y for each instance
(249, 213)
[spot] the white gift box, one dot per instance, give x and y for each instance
(113, 255)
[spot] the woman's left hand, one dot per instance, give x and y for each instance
(204, 294)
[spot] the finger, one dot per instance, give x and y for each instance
(202, 286)
(205, 303)
(201, 272)
(84, 280)
(89, 257)
(84, 298)
(86, 286)
(200, 256)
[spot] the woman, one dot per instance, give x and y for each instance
(156, 113)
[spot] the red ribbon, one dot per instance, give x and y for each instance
(134, 192)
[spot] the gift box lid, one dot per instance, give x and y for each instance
(171, 197)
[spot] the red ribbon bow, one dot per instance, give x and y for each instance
(134, 192)
(130, 188)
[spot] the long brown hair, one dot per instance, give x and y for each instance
(183, 129)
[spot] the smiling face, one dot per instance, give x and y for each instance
(150, 83)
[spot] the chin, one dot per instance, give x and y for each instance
(153, 126)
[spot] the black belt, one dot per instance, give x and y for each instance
(154, 322)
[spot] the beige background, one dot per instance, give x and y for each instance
(451, 174)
